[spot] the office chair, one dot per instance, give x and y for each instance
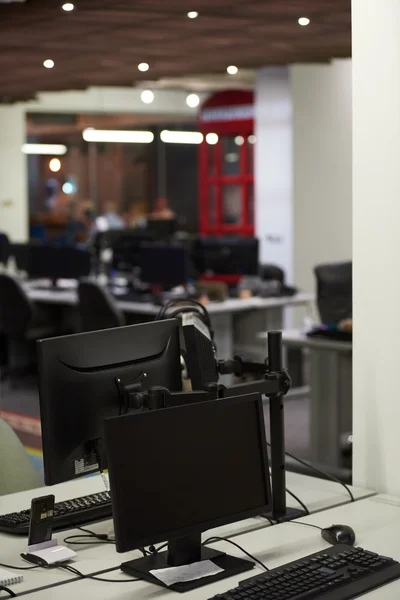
(334, 292)
(271, 273)
(16, 470)
(4, 249)
(21, 321)
(97, 307)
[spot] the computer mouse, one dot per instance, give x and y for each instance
(339, 534)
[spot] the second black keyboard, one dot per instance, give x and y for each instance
(67, 515)
(338, 573)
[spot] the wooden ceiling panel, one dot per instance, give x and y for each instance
(101, 42)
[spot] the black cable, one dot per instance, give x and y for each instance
(19, 568)
(299, 501)
(222, 539)
(327, 475)
(264, 516)
(9, 592)
(305, 524)
(79, 574)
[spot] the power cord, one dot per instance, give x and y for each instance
(223, 539)
(82, 576)
(19, 568)
(100, 537)
(3, 588)
(305, 524)
(298, 500)
(316, 470)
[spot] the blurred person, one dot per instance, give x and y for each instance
(162, 210)
(136, 216)
(112, 216)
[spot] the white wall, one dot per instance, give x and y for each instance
(273, 167)
(322, 138)
(376, 246)
(13, 174)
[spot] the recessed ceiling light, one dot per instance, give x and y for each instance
(251, 139)
(48, 64)
(143, 67)
(303, 21)
(193, 14)
(68, 6)
(55, 165)
(147, 96)
(212, 138)
(232, 70)
(239, 140)
(192, 100)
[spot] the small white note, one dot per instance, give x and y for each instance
(197, 570)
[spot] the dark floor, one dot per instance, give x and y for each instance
(23, 399)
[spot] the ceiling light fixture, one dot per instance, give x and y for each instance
(192, 100)
(48, 63)
(251, 139)
(303, 21)
(68, 6)
(212, 138)
(232, 70)
(143, 67)
(121, 136)
(51, 149)
(239, 140)
(181, 137)
(147, 96)
(193, 14)
(55, 165)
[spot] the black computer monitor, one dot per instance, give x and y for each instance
(162, 229)
(82, 380)
(20, 252)
(166, 265)
(226, 256)
(58, 262)
(126, 249)
(176, 472)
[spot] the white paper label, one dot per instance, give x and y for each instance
(197, 570)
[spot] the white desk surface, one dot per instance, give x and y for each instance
(69, 297)
(317, 494)
(295, 337)
(377, 529)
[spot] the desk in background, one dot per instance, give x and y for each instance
(235, 322)
(316, 493)
(377, 528)
(330, 372)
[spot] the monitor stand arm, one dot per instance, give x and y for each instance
(275, 383)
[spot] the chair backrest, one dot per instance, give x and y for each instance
(4, 248)
(272, 273)
(97, 307)
(16, 309)
(16, 470)
(334, 291)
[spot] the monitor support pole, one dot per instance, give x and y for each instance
(275, 383)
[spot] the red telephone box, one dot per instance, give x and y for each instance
(226, 159)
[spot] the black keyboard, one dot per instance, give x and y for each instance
(67, 515)
(338, 573)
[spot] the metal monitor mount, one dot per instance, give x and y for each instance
(274, 383)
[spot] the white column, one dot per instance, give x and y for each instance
(273, 167)
(376, 243)
(13, 174)
(322, 124)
